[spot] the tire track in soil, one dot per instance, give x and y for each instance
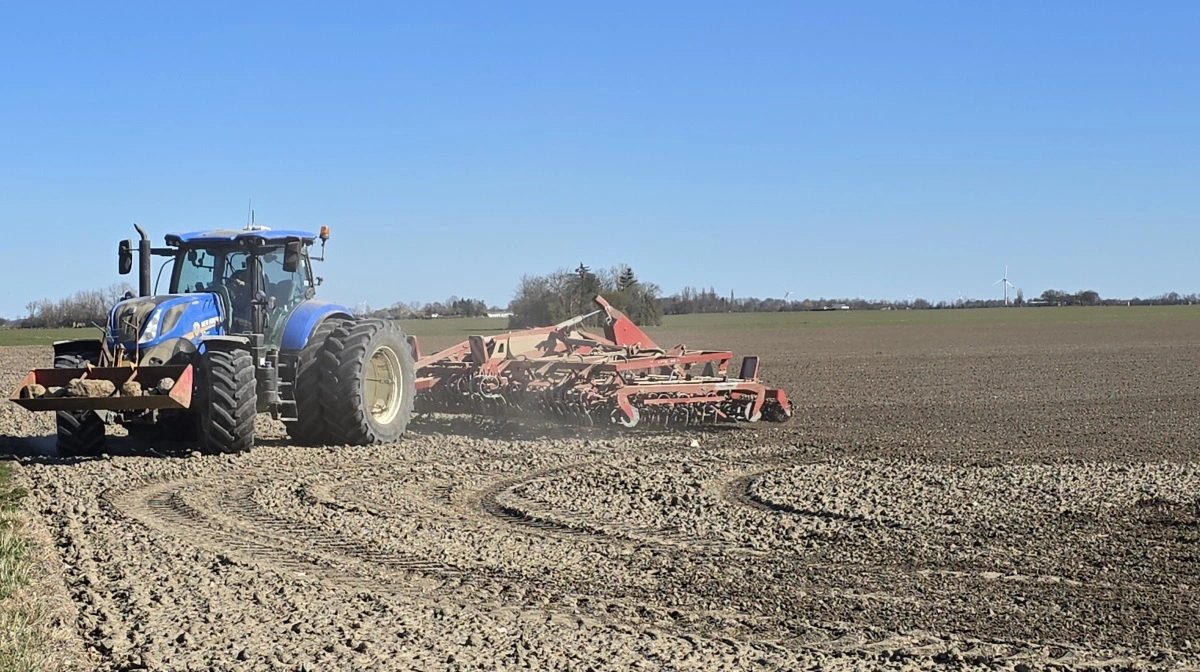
(240, 528)
(740, 490)
(243, 530)
(504, 501)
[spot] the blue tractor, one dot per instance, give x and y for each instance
(238, 332)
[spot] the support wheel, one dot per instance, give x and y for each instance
(629, 422)
(311, 426)
(228, 396)
(368, 382)
(79, 432)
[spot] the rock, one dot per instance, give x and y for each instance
(164, 386)
(33, 391)
(131, 388)
(88, 387)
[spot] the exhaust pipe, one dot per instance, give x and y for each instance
(143, 262)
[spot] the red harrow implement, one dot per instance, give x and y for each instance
(621, 377)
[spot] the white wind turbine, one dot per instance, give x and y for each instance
(1007, 284)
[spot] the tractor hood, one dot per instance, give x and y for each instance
(145, 321)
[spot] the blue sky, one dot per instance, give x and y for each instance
(836, 149)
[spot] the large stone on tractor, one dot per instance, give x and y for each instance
(87, 387)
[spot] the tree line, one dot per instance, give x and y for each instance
(549, 299)
(451, 307)
(84, 308)
(542, 300)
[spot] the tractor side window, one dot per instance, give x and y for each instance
(287, 288)
(195, 271)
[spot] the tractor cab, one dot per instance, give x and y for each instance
(250, 281)
(259, 276)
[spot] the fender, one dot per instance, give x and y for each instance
(224, 343)
(304, 321)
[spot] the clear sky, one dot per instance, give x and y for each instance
(873, 149)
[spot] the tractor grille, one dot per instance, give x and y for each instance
(129, 319)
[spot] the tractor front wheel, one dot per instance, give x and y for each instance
(368, 382)
(79, 432)
(228, 398)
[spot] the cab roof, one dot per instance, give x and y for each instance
(265, 234)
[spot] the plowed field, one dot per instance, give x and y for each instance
(1010, 495)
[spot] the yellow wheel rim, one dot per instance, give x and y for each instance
(384, 393)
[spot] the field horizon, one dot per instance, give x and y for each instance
(448, 330)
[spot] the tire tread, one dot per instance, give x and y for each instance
(343, 363)
(228, 392)
(311, 424)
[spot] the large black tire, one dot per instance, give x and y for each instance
(79, 432)
(228, 398)
(311, 427)
(368, 382)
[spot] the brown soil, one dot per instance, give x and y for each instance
(1005, 496)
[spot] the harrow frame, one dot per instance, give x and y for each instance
(566, 372)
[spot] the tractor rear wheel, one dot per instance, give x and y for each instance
(368, 382)
(311, 426)
(228, 398)
(79, 432)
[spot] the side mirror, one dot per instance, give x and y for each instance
(291, 256)
(125, 257)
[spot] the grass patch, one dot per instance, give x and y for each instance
(45, 336)
(22, 620)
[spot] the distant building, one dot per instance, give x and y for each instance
(505, 314)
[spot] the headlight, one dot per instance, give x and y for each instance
(150, 331)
